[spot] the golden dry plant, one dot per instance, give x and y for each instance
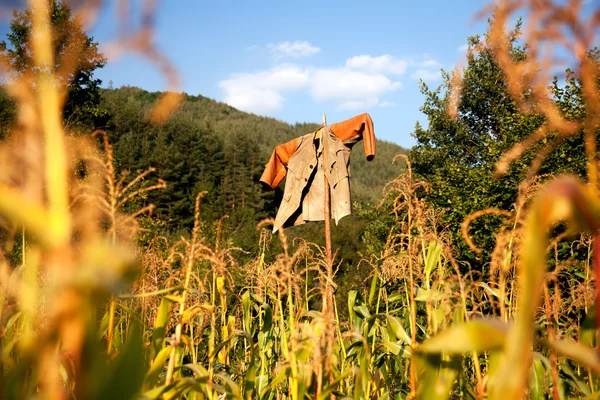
(72, 258)
(307, 346)
(111, 199)
(418, 255)
(554, 32)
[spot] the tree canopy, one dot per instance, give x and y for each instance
(76, 57)
(207, 145)
(457, 156)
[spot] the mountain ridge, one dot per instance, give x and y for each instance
(209, 145)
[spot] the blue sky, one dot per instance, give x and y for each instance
(295, 61)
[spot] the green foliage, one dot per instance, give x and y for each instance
(71, 44)
(8, 113)
(457, 156)
(211, 146)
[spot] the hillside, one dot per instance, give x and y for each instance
(207, 145)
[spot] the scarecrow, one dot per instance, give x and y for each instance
(317, 166)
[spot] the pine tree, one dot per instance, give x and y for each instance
(457, 156)
(71, 42)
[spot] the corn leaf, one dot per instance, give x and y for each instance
(395, 326)
(477, 335)
(160, 324)
(157, 366)
(432, 258)
(583, 355)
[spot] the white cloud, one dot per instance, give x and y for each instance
(342, 83)
(358, 84)
(261, 91)
(463, 48)
(299, 48)
(350, 105)
(385, 64)
(426, 74)
(426, 68)
(427, 63)
(255, 100)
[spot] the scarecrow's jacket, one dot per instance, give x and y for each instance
(305, 159)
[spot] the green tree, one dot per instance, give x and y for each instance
(457, 156)
(71, 43)
(206, 145)
(8, 113)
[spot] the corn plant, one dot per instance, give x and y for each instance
(88, 313)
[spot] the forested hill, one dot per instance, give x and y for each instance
(207, 145)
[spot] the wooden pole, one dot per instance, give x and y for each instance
(327, 207)
(328, 310)
(328, 306)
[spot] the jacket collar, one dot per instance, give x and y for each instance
(318, 141)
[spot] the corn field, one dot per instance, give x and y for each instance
(88, 314)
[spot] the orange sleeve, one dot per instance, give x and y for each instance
(275, 169)
(361, 125)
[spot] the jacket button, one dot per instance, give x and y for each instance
(305, 179)
(310, 166)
